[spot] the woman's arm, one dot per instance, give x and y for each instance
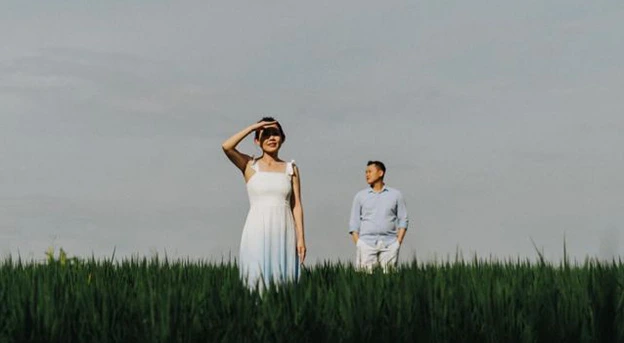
(239, 159)
(297, 209)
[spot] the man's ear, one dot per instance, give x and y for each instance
(383, 173)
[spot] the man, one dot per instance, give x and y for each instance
(378, 221)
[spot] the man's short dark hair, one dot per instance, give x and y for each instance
(270, 119)
(377, 164)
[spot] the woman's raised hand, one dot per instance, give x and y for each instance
(263, 124)
(239, 159)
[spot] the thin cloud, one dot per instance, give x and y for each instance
(497, 122)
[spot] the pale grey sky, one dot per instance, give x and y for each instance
(499, 122)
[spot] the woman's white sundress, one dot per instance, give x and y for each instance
(268, 244)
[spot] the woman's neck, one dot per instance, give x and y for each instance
(269, 158)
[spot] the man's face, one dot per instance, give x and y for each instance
(373, 174)
(270, 138)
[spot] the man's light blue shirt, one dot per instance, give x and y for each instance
(377, 215)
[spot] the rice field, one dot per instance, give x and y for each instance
(152, 300)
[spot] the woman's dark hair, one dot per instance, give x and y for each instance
(377, 164)
(279, 126)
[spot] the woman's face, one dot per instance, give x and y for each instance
(270, 139)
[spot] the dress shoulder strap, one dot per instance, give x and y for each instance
(290, 170)
(254, 163)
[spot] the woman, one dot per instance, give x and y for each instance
(273, 243)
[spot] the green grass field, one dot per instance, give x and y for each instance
(151, 300)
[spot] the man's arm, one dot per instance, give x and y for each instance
(401, 235)
(402, 217)
(355, 221)
(355, 236)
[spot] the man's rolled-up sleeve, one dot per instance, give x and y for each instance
(355, 219)
(403, 219)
